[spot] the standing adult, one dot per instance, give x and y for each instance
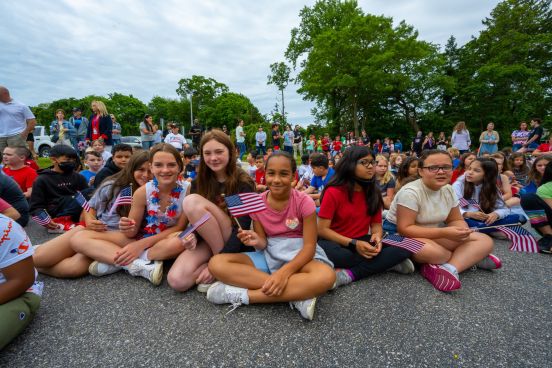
(80, 123)
(364, 138)
(116, 131)
(535, 135)
(276, 136)
(63, 131)
(288, 140)
(519, 136)
(260, 139)
(16, 121)
(240, 138)
(461, 137)
(146, 132)
(417, 143)
(429, 142)
(297, 141)
(100, 125)
(195, 132)
(225, 130)
(489, 140)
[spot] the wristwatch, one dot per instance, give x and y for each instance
(352, 243)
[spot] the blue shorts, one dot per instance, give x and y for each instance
(259, 261)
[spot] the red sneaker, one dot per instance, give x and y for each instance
(441, 278)
(491, 262)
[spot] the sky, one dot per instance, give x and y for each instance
(73, 48)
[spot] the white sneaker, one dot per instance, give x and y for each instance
(101, 269)
(341, 278)
(151, 270)
(220, 293)
(203, 288)
(305, 307)
(405, 267)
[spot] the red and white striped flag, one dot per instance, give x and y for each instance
(411, 245)
(463, 202)
(522, 240)
(42, 218)
(243, 204)
(81, 200)
(124, 197)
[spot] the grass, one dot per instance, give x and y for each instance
(44, 162)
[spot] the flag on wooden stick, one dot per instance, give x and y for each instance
(522, 240)
(243, 204)
(411, 245)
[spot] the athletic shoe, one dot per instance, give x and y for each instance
(405, 267)
(151, 270)
(220, 293)
(101, 269)
(441, 278)
(545, 244)
(305, 307)
(341, 278)
(203, 288)
(491, 262)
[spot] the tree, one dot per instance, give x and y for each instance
(128, 110)
(201, 91)
(172, 110)
(280, 78)
(227, 109)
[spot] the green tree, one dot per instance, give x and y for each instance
(128, 110)
(280, 78)
(227, 109)
(202, 91)
(171, 110)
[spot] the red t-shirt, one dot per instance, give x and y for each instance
(24, 177)
(32, 164)
(337, 145)
(260, 177)
(337, 208)
(325, 144)
(545, 147)
(4, 205)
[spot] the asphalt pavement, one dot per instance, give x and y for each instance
(498, 319)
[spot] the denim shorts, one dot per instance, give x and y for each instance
(259, 261)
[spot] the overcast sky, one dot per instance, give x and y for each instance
(56, 49)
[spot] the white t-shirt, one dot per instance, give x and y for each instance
(13, 118)
(15, 245)
(433, 207)
(176, 140)
(239, 137)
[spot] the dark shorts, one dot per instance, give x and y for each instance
(234, 245)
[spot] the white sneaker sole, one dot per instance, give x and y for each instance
(203, 288)
(157, 274)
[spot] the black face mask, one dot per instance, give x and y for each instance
(365, 182)
(67, 167)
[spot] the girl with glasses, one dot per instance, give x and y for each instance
(421, 208)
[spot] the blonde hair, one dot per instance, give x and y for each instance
(386, 178)
(101, 107)
(460, 126)
(394, 156)
(453, 152)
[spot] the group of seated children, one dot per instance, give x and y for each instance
(288, 252)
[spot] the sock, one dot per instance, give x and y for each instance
(245, 297)
(350, 273)
(144, 255)
(450, 268)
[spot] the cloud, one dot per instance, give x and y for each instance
(74, 48)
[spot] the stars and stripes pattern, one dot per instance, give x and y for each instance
(463, 202)
(124, 197)
(42, 218)
(411, 245)
(81, 200)
(193, 227)
(243, 204)
(522, 240)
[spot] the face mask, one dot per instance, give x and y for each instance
(67, 167)
(365, 182)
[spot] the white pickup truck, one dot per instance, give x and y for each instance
(43, 142)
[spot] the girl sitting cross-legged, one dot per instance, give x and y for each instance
(418, 211)
(287, 266)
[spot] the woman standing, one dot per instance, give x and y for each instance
(116, 131)
(100, 125)
(63, 129)
(146, 132)
(489, 140)
(519, 136)
(461, 138)
(429, 142)
(442, 142)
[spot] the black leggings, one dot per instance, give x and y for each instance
(538, 211)
(347, 257)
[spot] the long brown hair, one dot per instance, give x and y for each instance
(206, 184)
(168, 148)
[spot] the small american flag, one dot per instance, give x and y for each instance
(411, 245)
(463, 202)
(244, 204)
(522, 240)
(124, 197)
(82, 201)
(42, 218)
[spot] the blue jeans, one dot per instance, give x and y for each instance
(242, 148)
(510, 219)
(261, 150)
(147, 144)
(389, 227)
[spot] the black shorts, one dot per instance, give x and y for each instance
(234, 245)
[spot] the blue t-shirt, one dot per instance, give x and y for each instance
(318, 183)
(87, 175)
(77, 122)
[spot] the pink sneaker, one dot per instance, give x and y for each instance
(491, 262)
(441, 278)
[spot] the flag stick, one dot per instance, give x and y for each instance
(495, 226)
(237, 222)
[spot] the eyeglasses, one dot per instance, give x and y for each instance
(366, 163)
(435, 169)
